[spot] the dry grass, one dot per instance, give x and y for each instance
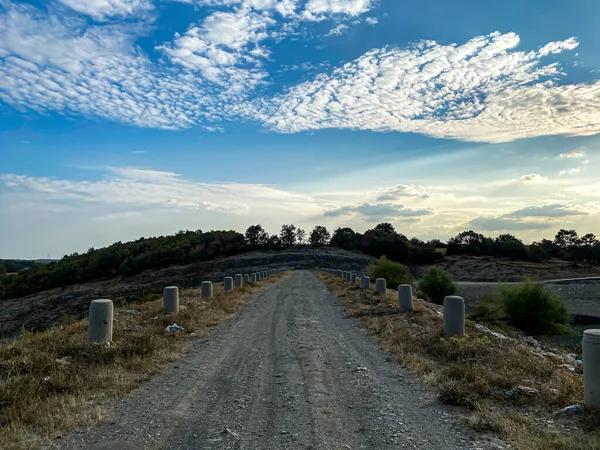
(54, 381)
(479, 373)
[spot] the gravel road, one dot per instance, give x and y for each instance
(289, 372)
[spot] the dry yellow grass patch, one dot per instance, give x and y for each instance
(54, 381)
(480, 373)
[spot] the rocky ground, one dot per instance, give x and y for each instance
(290, 371)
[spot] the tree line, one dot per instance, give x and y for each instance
(185, 247)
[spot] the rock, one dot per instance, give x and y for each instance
(579, 362)
(568, 367)
(529, 340)
(522, 390)
(173, 328)
(133, 311)
(65, 360)
(573, 409)
(569, 359)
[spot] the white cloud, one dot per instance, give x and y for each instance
(533, 178)
(571, 171)
(554, 210)
(483, 90)
(558, 46)
(103, 9)
(486, 223)
(379, 211)
(403, 190)
(372, 21)
(337, 30)
(573, 154)
(321, 9)
(224, 48)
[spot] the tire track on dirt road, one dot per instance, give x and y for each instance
(289, 372)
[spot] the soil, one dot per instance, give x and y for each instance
(290, 371)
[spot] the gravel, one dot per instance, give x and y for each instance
(290, 371)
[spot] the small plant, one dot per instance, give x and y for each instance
(394, 273)
(486, 311)
(436, 284)
(534, 309)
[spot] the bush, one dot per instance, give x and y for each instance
(533, 309)
(394, 273)
(437, 283)
(486, 311)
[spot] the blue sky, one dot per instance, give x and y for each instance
(129, 118)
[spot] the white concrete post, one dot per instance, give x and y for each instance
(380, 286)
(353, 278)
(171, 299)
(246, 278)
(591, 368)
(228, 284)
(366, 282)
(253, 278)
(238, 281)
(207, 289)
(100, 321)
(405, 297)
(344, 275)
(454, 315)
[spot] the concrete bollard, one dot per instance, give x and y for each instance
(253, 277)
(365, 282)
(405, 297)
(206, 290)
(171, 299)
(100, 321)
(344, 275)
(238, 280)
(246, 278)
(591, 368)
(228, 284)
(353, 278)
(380, 286)
(454, 316)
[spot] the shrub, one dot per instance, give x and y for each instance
(436, 284)
(394, 273)
(533, 309)
(486, 311)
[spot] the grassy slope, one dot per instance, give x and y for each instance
(477, 373)
(54, 381)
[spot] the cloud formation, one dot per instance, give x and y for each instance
(374, 212)
(403, 190)
(481, 91)
(554, 210)
(488, 223)
(101, 10)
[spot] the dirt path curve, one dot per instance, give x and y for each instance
(290, 372)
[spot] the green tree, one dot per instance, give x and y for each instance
(437, 284)
(256, 235)
(394, 273)
(288, 235)
(385, 227)
(345, 238)
(319, 236)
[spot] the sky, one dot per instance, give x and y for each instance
(129, 118)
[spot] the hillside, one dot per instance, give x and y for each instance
(48, 308)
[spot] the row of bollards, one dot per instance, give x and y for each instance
(454, 325)
(100, 319)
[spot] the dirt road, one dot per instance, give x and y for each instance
(290, 372)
